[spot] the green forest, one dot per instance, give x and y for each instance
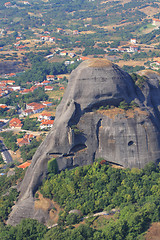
(130, 197)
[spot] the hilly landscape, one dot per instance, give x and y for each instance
(79, 127)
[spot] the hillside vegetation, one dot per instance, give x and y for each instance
(133, 194)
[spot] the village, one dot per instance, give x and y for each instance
(42, 113)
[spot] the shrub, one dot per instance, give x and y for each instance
(52, 166)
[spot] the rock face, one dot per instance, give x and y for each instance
(81, 133)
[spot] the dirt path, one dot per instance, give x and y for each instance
(153, 232)
(49, 206)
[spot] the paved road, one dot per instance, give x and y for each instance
(5, 124)
(5, 154)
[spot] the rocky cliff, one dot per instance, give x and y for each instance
(83, 131)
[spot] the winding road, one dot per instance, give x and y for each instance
(5, 153)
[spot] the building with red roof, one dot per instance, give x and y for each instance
(45, 82)
(15, 122)
(84, 58)
(46, 124)
(44, 116)
(3, 107)
(12, 75)
(48, 88)
(25, 91)
(50, 77)
(36, 107)
(61, 88)
(22, 141)
(24, 165)
(25, 140)
(8, 4)
(59, 77)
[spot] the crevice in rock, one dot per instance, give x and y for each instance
(78, 147)
(130, 143)
(97, 131)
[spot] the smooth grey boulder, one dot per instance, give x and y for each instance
(81, 133)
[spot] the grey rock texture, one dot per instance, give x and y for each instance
(80, 134)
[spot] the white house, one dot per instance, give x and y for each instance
(46, 124)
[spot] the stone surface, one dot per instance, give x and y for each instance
(81, 134)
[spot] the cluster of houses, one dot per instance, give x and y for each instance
(19, 46)
(67, 32)
(46, 37)
(15, 123)
(26, 140)
(7, 86)
(9, 4)
(130, 49)
(34, 107)
(45, 118)
(62, 54)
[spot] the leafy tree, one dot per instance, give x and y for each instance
(30, 124)
(123, 105)
(126, 56)
(72, 218)
(52, 167)
(30, 229)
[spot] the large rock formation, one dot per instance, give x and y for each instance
(81, 133)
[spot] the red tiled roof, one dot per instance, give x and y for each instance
(47, 122)
(2, 84)
(84, 58)
(24, 165)
(26, 91)
(45, 82)
(155, 19)
(7, 3)
(28, 111)
(15, 122)
(3, 106)
(48, 87)
(28, 136)
(50, 76)
(11, 74)
(35, 106)
(61, 88)
(22, 141)
(46, 114)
